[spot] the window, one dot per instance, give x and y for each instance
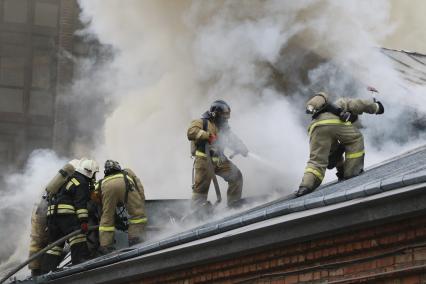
(15, 11)
(12, 71)
(41, 71)
(11, 100)
(46, 14)
(41, 103)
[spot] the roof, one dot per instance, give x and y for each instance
(411, 65)
(366, 199)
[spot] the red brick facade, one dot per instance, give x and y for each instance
(391, 253)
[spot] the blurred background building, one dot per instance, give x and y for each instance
(36, 41)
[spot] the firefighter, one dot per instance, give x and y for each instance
(68, 212)
(213, 128)
(39, 238)
(120, 188)
(332, 130)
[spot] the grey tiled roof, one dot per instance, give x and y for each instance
(411, 65)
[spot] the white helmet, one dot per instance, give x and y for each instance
(87, 167)
(75, 162)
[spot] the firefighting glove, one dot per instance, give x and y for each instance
(345, 116)
(381, 108)
(84, 227)
(212, 138)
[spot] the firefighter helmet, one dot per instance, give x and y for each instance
(317, 103)
(111, 166)
(220, 110)
(88, 167)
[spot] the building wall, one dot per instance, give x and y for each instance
(390, 253)
(67, 25)
(31, 40)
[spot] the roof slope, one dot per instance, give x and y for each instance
(403, 177)
(411, 65)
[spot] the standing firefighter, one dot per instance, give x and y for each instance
(213, 129)
(332, 132)
(67, 212)
(120, 187)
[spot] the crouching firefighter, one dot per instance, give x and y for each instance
(67, 212)
(212, 130)
(332, 132)
(120, 188)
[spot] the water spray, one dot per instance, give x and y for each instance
(263, 161)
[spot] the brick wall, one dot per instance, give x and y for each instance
(390, 253)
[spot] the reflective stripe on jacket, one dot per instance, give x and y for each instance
(61, 209)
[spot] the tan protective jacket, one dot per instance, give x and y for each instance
(113, 190)
(355, 106)
(226, 138)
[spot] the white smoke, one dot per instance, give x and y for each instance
(22, 191)
(171, 59)
(174, 58)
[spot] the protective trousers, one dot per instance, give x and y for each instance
(321, 140)
(111, 197)
(336, 159)
(202, 178)
(58, 227)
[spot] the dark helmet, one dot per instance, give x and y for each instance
(111, 167)
(220, 110)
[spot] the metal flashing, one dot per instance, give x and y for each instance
(355, 192)
(414, 178)
(297, 205)
(391, 183)
(278, 210)
(336, 197)
(373, 188)
(314, 202)
(255, 217)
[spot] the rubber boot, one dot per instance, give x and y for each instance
(204, 211)
(36, 272)
(105, 250)
(237, 204)
(134, 241)
(340, 174)
(303, 191)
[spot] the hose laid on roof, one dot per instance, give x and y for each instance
(41, 252)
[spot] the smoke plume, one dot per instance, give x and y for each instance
(265, 58)
(22, 191)
(170, 59)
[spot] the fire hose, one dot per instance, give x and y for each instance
(41, 252)
(211, 170)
